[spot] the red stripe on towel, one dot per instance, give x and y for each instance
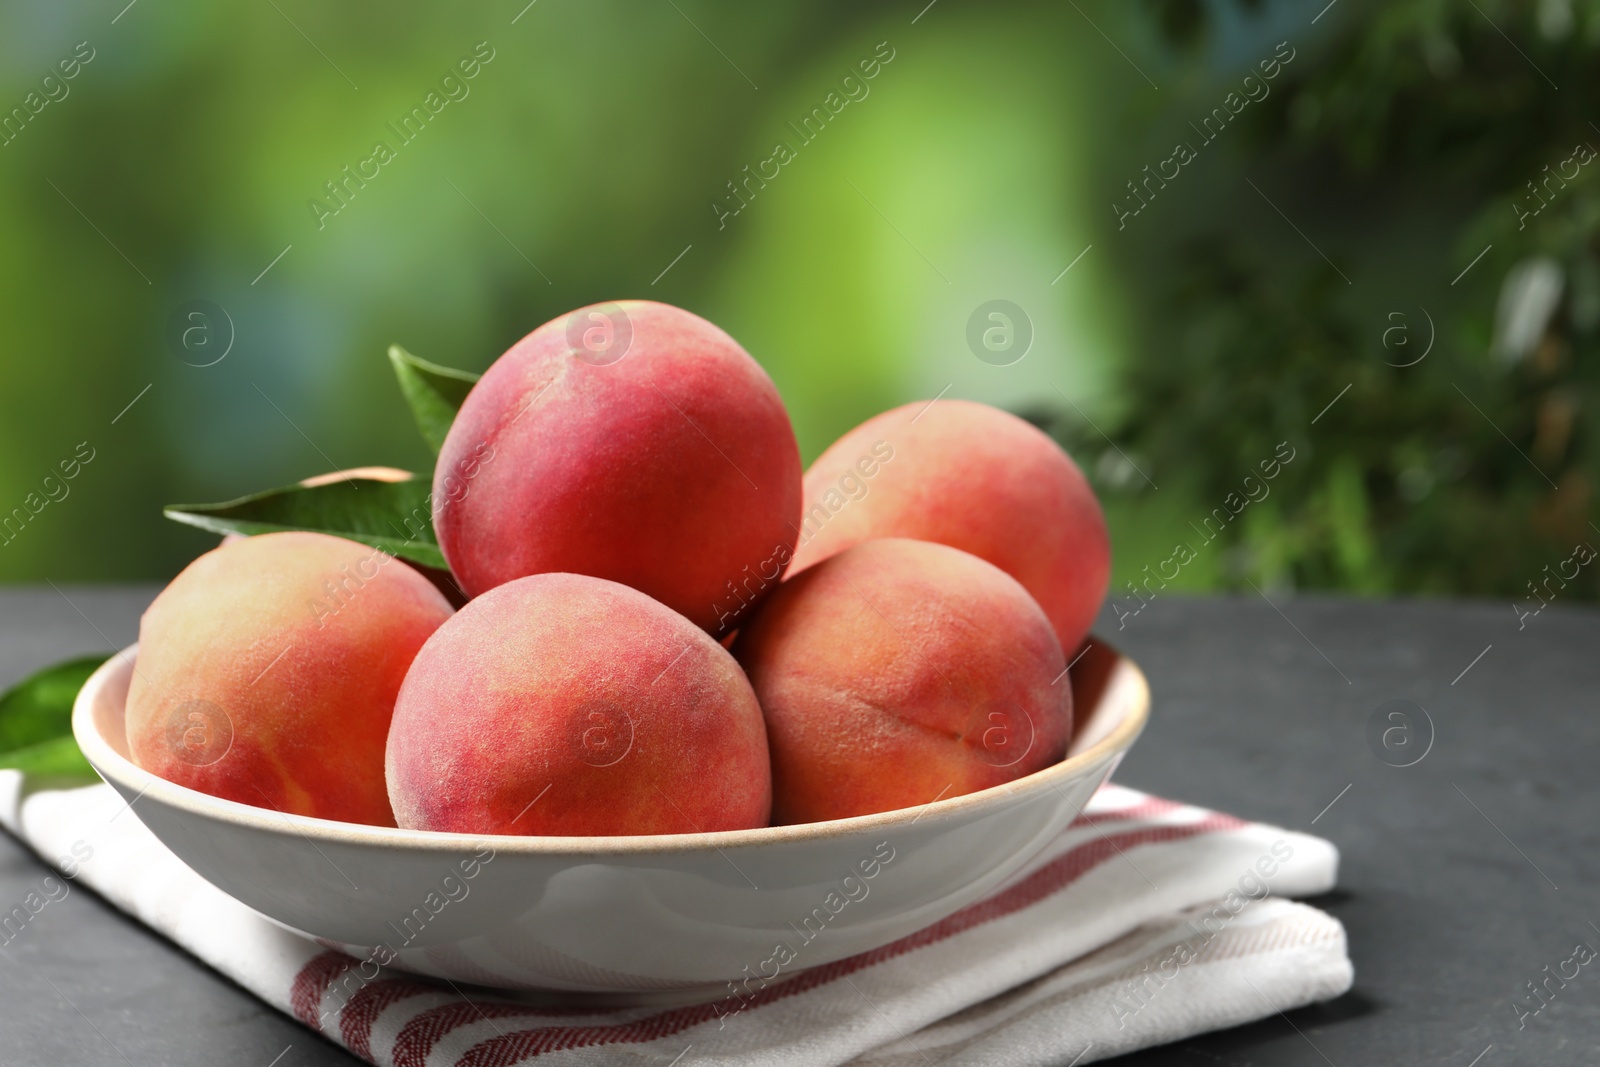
(419, 1036)
(363, 1009)
(305, 993)
(1052, 878)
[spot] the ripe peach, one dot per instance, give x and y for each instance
(568, 705)
(975, 478)
(898, 672)
(375, 474)
(634, 442)
(268, 670)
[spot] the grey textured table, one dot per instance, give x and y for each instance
(1464, 875)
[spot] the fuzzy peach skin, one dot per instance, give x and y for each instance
(976, 478)
(899, 672)
(672, 469)
(567, 705)
(268, 671)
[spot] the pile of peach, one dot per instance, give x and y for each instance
(669, 629)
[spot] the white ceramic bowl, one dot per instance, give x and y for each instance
(665, 914)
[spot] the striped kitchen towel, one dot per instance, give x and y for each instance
(1145, 922)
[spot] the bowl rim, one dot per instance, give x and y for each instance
(111, 764)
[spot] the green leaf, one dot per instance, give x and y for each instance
(36, 720)
(39, 708)
(435, 393)
(59, 758)
(393, 516)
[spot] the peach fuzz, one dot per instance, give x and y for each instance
(268, 671)
(634, 442)
(899, 672)
(567, 705)
(975, 478)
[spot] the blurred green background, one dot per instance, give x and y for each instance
(1399, 222)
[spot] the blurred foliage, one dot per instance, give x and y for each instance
(1407, 143)
(1307, 258)
(581, 166)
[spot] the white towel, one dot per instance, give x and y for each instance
(1145, 922)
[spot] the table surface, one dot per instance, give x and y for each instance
(1463, 875)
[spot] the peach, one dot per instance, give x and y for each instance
(268, 671)
(374, 474)
(899, 672)
(634, 442)
(567, 705)
(975, 478)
